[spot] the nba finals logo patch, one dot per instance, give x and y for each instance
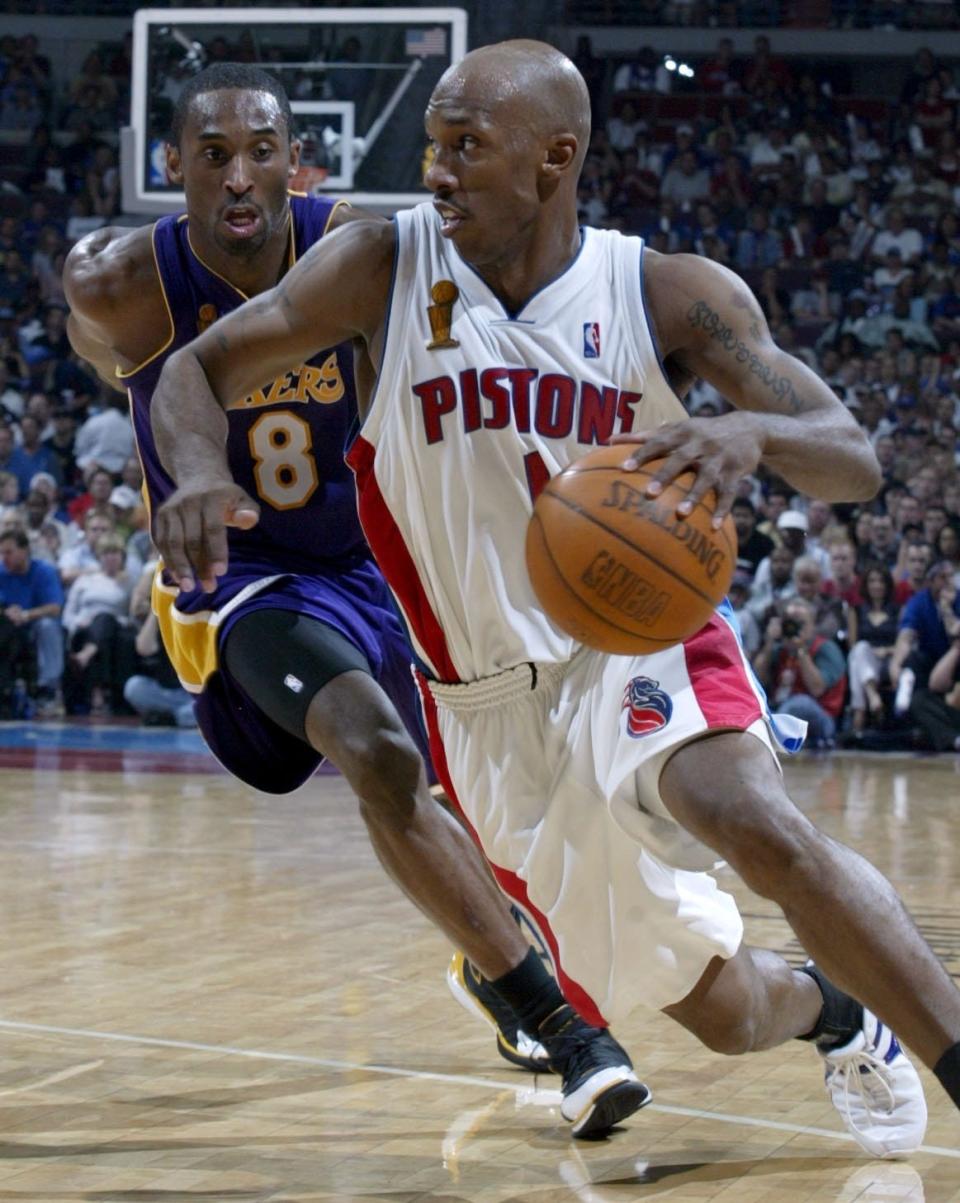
(206, 316)
(648, 707)
(591, 340)
(444, 296)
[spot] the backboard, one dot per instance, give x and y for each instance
(358, 80)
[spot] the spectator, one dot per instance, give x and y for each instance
(96, 621)
(922, 635)
(882, 544)
(99, 486)
(686, 182)
(720, 74)
(752, 545)
(60, 445)
(803, 672)
(106, 439)
(917, 560)
(907, 240)
(32, 597)
(873, 634)
(154, 692)
(623, 128)
(758, 245)
(645, 73)
(777, 585)
(32, 456)
(82, 557)
(947, 549)
(936, 708)
(829, 613)
(843, 581)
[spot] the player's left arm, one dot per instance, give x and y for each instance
(709, 324)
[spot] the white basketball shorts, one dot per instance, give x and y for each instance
(556, 770)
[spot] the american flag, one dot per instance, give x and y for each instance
(422, 43)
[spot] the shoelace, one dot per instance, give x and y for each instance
(864, 1074)
(570, 1049)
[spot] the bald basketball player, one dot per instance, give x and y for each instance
(296, 653)
(505, 340)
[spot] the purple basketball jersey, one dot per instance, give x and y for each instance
(286, 441)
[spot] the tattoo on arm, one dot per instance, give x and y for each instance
(702, 317)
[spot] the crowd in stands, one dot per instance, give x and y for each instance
(840, 212)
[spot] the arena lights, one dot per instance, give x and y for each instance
(683, 69)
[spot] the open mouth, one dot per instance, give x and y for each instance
(450, 218)
(243, 221)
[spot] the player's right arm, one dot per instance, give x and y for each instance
(336, 293)
(118, 317)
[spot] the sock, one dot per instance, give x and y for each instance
(530, 991)
(947, 1070)
(841, 1016)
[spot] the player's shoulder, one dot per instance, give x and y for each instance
(345, 213)
(109, 269)
(690, 273)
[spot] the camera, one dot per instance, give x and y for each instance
(791, 628)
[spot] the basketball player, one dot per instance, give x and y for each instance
(506, 341)
(297, 653)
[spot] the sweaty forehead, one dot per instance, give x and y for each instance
(233, 109)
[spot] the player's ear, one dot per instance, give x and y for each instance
(174, 164)
(294, 165)
(560, 156)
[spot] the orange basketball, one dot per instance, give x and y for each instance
(620, 571)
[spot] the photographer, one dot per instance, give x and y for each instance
(803, 673)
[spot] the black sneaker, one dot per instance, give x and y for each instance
(472, 990)
(599, 1086)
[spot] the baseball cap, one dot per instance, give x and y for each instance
(685, 128)
(124, 498)
(792, 520)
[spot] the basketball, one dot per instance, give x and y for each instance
(620, 571)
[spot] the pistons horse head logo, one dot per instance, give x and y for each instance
(648, 706)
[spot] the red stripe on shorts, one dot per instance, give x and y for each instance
(396, 563)
(512, 885)
(721, 681)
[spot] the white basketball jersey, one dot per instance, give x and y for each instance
(474, 409)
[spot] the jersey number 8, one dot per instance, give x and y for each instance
(284, 469)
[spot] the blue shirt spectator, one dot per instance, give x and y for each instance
(38, 585)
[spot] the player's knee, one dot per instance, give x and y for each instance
(384, 769)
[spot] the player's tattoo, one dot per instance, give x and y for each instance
(702, 317)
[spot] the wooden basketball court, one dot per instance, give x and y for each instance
(210, 995)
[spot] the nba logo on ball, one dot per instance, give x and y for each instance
(648, 707)
(591, 340)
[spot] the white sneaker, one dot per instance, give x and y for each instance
(876, 1090)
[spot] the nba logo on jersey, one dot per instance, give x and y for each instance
(648, 707)
(591, 340)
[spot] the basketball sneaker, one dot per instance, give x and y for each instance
(599, 1086)
(871, 1081)
(472, 990)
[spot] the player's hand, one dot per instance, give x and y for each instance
(191, 531)
(720, 451)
